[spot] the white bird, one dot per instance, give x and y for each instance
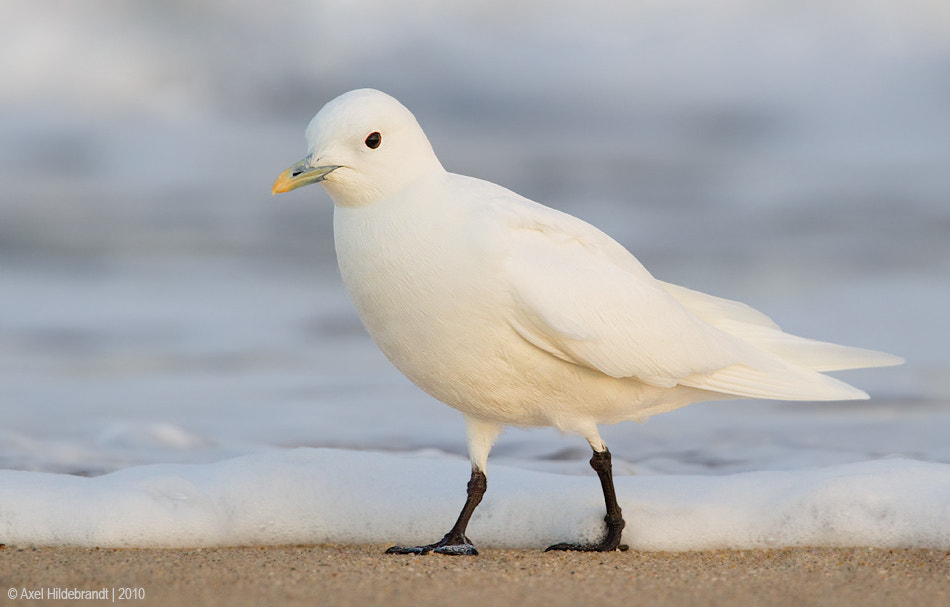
(517, 314)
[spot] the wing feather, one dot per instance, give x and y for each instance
(576, 302)
(753, 327)
(583, 298)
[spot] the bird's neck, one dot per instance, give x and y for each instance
(359, 191)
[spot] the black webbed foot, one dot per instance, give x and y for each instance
(450, 544)
(601, 547)
(586, 547)
(610, 542)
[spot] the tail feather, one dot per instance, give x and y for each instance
(756, 329)
(809, 353)
(779, 381)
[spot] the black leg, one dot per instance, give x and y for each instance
(600, 462)
(454, 541)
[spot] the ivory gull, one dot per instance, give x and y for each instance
(517, 314)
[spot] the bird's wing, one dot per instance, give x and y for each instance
(716, 310)
(753, 327)
(574, 302)
(582, 297)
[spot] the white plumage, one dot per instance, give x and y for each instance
(518, 314)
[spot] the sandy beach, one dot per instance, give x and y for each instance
(362, 575)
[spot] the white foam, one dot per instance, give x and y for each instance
(306, 496)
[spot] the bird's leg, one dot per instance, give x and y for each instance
(600, 462)
(455, 542)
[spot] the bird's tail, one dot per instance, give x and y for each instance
(794, 372)
(757, 329)
(808, 353)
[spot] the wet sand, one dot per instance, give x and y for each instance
(362, 575)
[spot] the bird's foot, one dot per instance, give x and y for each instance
(601, 547)
(610, 542)
(451, 544)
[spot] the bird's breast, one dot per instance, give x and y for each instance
(428, 294)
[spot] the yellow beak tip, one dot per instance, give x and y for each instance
(282, 184)
(300, 175)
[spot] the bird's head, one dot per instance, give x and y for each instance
(362, 147)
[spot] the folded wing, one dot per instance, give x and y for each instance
(583, 298)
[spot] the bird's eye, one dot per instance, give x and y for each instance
(373, 140)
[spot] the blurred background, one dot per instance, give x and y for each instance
(158, 305)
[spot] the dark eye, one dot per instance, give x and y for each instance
(373, 140)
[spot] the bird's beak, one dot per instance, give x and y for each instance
(301, 174)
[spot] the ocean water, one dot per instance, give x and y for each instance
(157, 306)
